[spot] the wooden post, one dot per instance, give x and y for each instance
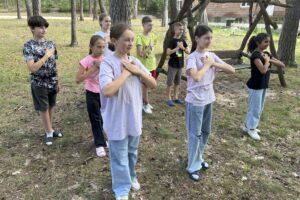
(193, 21)
(250, 13)
(187, 12)
(250, 30)
(272, 45)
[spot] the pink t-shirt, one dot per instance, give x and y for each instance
(201, 93)
(92, 82)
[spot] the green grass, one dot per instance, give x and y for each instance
(240, 167)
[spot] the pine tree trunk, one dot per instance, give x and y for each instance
(95, 10)
(5, 4)
(165, 19)
(102, 6)
(135, 9)
(81, 11)
(90, 8)
(73, 24)
(288, 36)
(28, 8)
(173, 9)
(120, 11)
(18, 9)
(36, 7)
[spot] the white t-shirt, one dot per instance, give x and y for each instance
(122, 112)
(201, 93)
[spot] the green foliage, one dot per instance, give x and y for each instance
(61, 5)
(155, 7)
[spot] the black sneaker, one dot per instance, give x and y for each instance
(48, 140)
(57, 134)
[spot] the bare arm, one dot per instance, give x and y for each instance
(148, 80)
(142, 52)
(263, 68)
(183, 47)
(111, 88)
(83, 73)
(186, 51)
(171, 51)
(228, 69)
(35, 66)
(277, 62)
(198, 75)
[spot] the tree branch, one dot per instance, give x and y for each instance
(272, 2)
(266, 15)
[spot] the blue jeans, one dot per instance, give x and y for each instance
(198, 124)
(123, 158)
(256, 103)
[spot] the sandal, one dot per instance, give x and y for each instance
(204, 165)
(178, 101)
(170, 103)
(195, 176)
(48, 140)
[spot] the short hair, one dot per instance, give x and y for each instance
(146, 19)
(102, 16)
(37, 21)
(178, 24)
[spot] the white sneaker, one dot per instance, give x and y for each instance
(147, 109)
(244, 128)
(100, 152)
(150, 106)
(122, 198)
(135, 186)
(253, 134)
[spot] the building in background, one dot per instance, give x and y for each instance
(220, 12)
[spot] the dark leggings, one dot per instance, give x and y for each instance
(93, 108)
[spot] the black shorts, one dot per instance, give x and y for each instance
(43, 97)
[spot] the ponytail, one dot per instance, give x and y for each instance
(252, 45)
(255, 40)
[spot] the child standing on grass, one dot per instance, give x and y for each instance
(145, 43)
(121, 97)
(105, 24)
(202, 67)
(89, 73)
(40, 56)
(176, 49)
(258, 83)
